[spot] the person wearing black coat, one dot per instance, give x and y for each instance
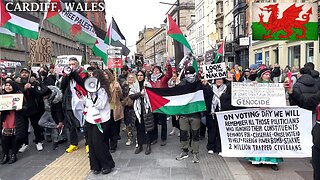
(305, 86)
(30, 87)
(12, 122)
(313, 73)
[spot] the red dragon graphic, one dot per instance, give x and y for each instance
(286, 23)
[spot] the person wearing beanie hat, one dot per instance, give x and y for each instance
(264, 77)
(31, 89)
(160, 80)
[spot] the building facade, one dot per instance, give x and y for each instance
(292, 53)
(144, 35)
(61, 44)
(156, 47)
(199, 27)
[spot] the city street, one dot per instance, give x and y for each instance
(160, 164)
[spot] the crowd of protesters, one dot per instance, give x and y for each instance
(54, 104)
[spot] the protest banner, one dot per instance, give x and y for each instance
(215, 71)
(270, 132)
(11, 102)
(258, 95)
(114, 57)
(40, 51)
(63, 61)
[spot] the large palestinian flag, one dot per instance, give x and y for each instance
(75, 24)
(178, 100)
(19, 22)
(285, 21)
(7, 38)
(100, 47)
(114, 33)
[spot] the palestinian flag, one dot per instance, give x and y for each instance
(285, 21)
(175, 33)
(7, 38)
(220, 53)
(19, 22)
(100, 48)
(178, 100)
(114, 33)
(75, 24)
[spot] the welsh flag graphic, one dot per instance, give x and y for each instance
(7, 38)
(73, 23)
(175, 33)
(19, 22)
(100, 47)
(285, 21)
(178, 100)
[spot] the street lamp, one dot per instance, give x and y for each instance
(177, 4)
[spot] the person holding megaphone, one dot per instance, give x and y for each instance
(97, 116)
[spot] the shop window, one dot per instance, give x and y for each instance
(294, 56)
(309, 52)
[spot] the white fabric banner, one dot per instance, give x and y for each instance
(269, 132)
(258, 95)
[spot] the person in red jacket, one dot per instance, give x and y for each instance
(160, 80)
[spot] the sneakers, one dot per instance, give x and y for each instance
(87, 149)
(72, 148)
(23, 148)
(195, 158)
(129, 142)
(183, 155)
(210, 152)
(173, 132)
(39, 146)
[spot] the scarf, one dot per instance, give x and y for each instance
(135, 88)
(217, 92)
(154, 78)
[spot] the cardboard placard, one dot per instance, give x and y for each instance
(40, 50)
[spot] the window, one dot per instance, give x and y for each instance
(309, 52)
(258, 58)
(294, 56)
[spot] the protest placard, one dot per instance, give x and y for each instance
(11, 102)
(270, 132)
(63, 61)
(40, 50)
(215, 71)
(258, 95)
(114, 57)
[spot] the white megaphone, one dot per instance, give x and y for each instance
(67, 70)
(92, 84)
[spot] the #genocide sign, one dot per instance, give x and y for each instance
(272, 132)
(215, 71)
(258, 95)
(114, 57)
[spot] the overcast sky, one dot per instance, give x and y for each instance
(132, 15)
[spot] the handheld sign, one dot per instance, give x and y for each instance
(272, 132)
(11, 102)
(215, 71)
(258, 95)
(114, 57)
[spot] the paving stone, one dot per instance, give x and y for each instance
(186, 173)
(171, 163)
(142, 163)
(154, 172)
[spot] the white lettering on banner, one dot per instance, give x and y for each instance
(215, 71)
(258, 95)
(268, 132)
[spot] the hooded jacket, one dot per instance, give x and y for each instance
(54, 104)
(305, 86)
